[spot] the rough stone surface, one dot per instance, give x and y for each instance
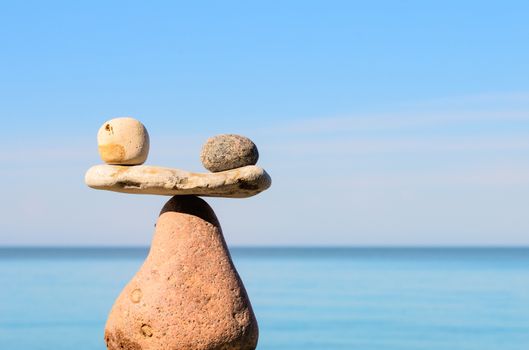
(225, 152)
(188, 294)
(123, 141)
(143, 179)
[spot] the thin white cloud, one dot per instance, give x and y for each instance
(397, 121)
(404, 145)
(482, 177)
(510, 107)
(498, 99)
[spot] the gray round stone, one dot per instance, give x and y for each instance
(225, 152)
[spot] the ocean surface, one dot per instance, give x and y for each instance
(360, 298)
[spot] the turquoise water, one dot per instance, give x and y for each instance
(368, 299)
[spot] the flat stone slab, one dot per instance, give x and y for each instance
(145, 179)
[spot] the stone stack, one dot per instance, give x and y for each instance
(187, 295)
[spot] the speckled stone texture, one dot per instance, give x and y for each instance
(188, 294)
(225, 152)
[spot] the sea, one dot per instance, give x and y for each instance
(304, 298)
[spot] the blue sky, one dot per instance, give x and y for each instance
(381, 123)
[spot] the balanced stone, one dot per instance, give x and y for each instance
(225, 152)
(144, 179)
(187, 295)
(123, 141)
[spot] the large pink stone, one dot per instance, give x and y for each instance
(188, 294)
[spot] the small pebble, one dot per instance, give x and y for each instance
(226, 152)
(123, 141)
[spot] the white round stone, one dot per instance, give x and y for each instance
(123, 141)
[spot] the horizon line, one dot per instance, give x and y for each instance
(467, 246)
